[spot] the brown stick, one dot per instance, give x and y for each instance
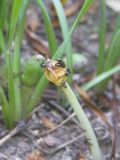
(58, 126)
(12, 133)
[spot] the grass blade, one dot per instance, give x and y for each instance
(48, 28)
(16, 61)
(3, 7)
(102, 33)
(2, 42)
(113, 52)
(65, 30)
(11, 91)
(100, 78)
(86, 5)
(14, 18)
(117, 25)
(5, 108)
(37, 93)
(112, 58)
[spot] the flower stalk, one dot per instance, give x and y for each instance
(84, 122)
(57, 72)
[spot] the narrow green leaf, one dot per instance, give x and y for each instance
(5, 109)
(85, 7)
(101, 86)
(17, 59)
(37, 93)
(3, 7)
(11, 91)
(14, 18)
(113, 52)
(117, 26)
(2, 42)
(48, 28)
(102, 33)
(100, 78)
(65, 31)
(112, 58)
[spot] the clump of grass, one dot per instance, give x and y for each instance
(14, 105)
(107, 59)
(24, 94)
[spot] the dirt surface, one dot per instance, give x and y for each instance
(32, 142)
(29, 139)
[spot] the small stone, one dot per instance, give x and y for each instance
(50, 141)
(35, 132)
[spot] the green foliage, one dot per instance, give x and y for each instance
(17, 4)
(101, 77)
(107, 59)
(29, 78)
(3, 8)
(40, 87)
(26, 83)
(12, 105)
(48, 27)
(112, 58)
(102, 34)
(5, 108)
(31, 72)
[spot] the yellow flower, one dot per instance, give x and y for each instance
(56, 71)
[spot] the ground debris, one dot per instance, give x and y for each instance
(35, 155)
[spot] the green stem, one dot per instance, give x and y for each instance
(16, 61)
(102, 33)
(85, 124)
(3, 7)
(11, 91)
(38, 92)
(16, 72)
(48, 27)
(111, 59)
(5, 107)
(65, 30)
(16, 7)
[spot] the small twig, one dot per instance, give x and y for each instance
(12, 133)
(58, 126)
(60, 108)
(63, 145)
